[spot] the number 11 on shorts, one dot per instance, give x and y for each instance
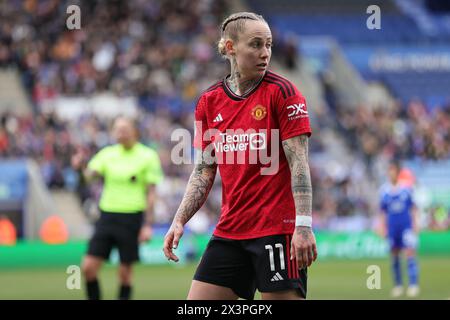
(271, 256)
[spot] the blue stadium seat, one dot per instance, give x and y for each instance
(13, 180)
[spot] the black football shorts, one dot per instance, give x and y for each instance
(246, 265)
(119, 230)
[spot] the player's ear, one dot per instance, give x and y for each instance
(229, 47)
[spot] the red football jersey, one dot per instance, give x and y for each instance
(245, 134)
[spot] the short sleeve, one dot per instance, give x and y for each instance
(293, 116)
(98, 162)
(154, 174)
(201, 140)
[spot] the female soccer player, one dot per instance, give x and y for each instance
(130, 171)
(399, 223)
(264, 238)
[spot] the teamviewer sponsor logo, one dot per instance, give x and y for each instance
(297, 111)
(234, 146)
(240, 142)
(232, 142)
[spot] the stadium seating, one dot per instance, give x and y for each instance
(430, 87)
(13, 191)
(346, 22)
(351, 28)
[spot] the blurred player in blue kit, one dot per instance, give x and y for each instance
(399, 223)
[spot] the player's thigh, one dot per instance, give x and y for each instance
(276, 274)
(91, 265)
(207, 291)
(395, 243)
(226, 264)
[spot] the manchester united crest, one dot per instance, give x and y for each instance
(259, 112)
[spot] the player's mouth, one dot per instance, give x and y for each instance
(262, 66)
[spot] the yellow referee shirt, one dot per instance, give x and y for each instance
(126, 174)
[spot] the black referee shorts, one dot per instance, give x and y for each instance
(246, 265)
(120, 230)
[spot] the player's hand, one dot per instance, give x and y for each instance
(146, 233)
(172, 239)
(303, 246)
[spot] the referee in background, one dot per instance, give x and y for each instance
(130, 171)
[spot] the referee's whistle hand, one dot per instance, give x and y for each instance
(145, 234)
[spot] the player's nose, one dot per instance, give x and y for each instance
(265, 53)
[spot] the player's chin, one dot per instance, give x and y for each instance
(260, 71)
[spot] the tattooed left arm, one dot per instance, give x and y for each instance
(303, 245)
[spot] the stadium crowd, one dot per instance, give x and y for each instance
(144, 48)
(404, 131)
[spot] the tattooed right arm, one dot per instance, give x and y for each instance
(197, 190)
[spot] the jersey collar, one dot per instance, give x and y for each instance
(234, 96)
(122, 148)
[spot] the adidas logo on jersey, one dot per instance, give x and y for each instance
(218, 118)
(276, 277)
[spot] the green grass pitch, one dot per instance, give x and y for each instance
(327, 280)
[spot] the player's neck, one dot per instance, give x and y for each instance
(239, 83)
(128, 145)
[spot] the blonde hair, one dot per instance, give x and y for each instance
(232, 26)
